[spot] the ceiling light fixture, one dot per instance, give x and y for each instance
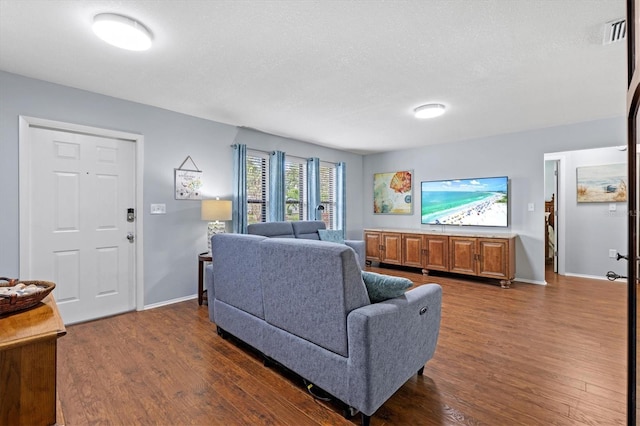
(121, 31)
(429, 111)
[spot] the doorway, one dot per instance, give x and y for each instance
(80, 189)
(551, 196)
(554, 229)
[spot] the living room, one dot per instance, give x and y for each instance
(172, 242)
(519, 156)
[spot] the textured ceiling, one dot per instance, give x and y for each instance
(344, 74)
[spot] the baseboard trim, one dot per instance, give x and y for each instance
(524, 280)
(170, 302)
(595, 277)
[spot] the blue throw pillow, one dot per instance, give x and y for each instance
(382, 287)
(331, 235)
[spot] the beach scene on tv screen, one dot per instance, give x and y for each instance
(474, 202)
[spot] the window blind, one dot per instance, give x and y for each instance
(328, 194)
(295, 182)
(257, 187)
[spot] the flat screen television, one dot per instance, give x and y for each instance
(471, 202)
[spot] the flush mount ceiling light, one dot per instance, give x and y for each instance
(121, 31)
(429, 111)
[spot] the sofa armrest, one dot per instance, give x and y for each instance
(389, 342)
(359, 248)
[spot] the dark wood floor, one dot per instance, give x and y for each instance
(529, 355)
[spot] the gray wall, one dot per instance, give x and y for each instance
(519, 156)
(549, 181)
(171, 241)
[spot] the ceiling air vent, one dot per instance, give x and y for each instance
(615, 31)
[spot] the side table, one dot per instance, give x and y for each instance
(28, 348)
(202, 259)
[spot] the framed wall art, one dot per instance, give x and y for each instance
(188, 182)
(602, 184)
(393, 192)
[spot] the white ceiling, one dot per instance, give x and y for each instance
(343, 74)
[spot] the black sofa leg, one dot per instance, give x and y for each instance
(267, 362)
(365, 420)
(221, 332)
(421, 371)
(348, 412)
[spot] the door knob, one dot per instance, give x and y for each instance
(130, 237)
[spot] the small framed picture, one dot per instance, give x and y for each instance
(188, 184)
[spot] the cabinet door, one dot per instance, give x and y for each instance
(391, 248)
(412, 250)
(373, 244)
(462, 255)
(437, 253)
(493, 258)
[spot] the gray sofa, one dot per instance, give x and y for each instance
(303, 304)
(304, 229)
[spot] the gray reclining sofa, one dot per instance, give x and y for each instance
(303, 304)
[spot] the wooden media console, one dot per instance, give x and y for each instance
(489, 256)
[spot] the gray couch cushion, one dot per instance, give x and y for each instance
(241, 278)
(272, 229)
(322, 285)
(308, 229)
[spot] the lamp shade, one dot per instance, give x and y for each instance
(215, 210)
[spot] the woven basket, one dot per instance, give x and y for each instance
(18, 303)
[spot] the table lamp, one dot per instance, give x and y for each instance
(215, 211)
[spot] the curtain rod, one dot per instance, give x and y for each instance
(254, 149)
(289, 155)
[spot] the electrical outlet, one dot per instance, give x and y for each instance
(158, 209)
(613, 253)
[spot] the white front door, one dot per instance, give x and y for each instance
(80, 189)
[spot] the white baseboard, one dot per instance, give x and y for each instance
(524, 280)
(595, 277)
(170, 302)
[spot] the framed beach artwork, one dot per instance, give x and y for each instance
(602, 184)
(392, 192)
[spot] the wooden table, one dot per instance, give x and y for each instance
(28, 343)
(202, 259)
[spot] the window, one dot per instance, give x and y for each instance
(295, 184)
(295, 189)
(257, 187)
(328, 194)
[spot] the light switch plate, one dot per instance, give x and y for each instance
(530, 207)
(158, 209)
(612, 207)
